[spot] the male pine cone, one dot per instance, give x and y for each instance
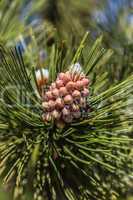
(66, 98)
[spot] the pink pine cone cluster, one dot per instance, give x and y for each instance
(66, 97)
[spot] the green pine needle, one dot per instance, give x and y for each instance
(89, 158)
